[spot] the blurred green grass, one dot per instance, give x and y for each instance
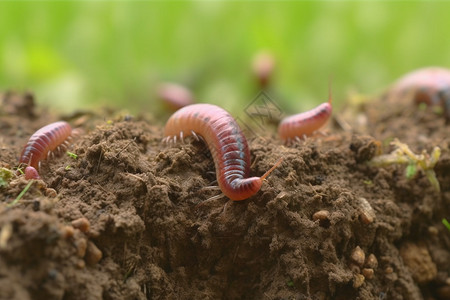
(85, 54)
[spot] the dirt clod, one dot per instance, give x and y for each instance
(93, 254)
(67, 232)
(358, 280)
(418, 260)
(81, 246)
(443, 292)
(82, 224)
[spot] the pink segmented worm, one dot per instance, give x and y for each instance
(175, 96)
(43, 142)
(226, 142)
(427, 85)
(306, 123)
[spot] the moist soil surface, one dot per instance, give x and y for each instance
(129, 217)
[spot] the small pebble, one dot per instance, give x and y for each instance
(358, 256)
(365, 217)
(5, 234)
(51, 193)
(67, 232)
(321, 215)
(366, 214)
(81, 245)
(433, 230)
(358, 280)
(282, 195)
(82, 224)
(81, 264)
(388, 270)
(93, 254)
(368, 273)
(371, 261)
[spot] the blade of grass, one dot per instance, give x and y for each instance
(25, 189)
(446, 223)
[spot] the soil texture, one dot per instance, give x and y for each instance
(129, 217)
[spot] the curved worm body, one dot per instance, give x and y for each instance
(226, 142)
(41, 144)
(427, 85)
(306, 123)
(424, 85)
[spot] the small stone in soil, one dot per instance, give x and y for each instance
(82, 224)
(358, 256)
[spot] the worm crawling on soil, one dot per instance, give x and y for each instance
(427, 85)
(42, 143)
(226, 142)
(305, 124)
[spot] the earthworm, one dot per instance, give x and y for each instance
(427, 85)
(43, 142)
(226, 143)
(306, 123)
(175, 96)
(263, 68)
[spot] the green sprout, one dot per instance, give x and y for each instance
(290, 283)
(411, 171)
(368, 182)
(68, 167)
(423, 106)
(5, 176)
(25, 189)
(72, 155)
(446, 223)
(414, 162)
(437, 109)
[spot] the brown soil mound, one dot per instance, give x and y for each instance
(129, 217)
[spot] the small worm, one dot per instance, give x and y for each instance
(226, 143)
(175, 96)
(424, 85)
(427, 85)
(263, 68)
(43, 142)
(306, 123)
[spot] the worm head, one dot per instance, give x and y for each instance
(31, 173)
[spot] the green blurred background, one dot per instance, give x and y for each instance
(84, 54)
